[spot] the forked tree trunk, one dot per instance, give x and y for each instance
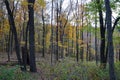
(13, 28)
(102, 34)
(110, 40)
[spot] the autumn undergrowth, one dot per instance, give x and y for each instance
(14, 73)
(69, 69)
(66, 69)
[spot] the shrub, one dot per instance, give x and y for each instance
(13, 73)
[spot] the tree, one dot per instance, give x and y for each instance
(52, 42)
(31, 35)
(102, 33)
(110, 40)
(13, 28)
(43, 42)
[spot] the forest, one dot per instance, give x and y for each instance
(59, 40)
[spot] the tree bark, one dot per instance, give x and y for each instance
(110, 40)
(57, 51)
(96, 48)
(52, 36)
(43, 42)
(31, 35)
(13, 28)
(102, 34)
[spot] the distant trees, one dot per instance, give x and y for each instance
(64, 31)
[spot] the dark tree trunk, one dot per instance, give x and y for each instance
(102, 33)
(114, 25)
(43, 42)
(77, 46)
(77, 32)
(13, 28)
(82, 48)
(119, 54)
(96, 48)
(110, 40)
(11, 43)
(25, 54)
(52, 36)
(89, 47)
(87, 53)
(31, 35)
(8, 47)
(24, 59)
(57, 36)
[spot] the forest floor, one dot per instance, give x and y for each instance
(65, 69)
(41, 74)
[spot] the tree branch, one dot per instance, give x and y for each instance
(116, 21)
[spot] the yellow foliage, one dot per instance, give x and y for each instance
(47, 38)
(80, 41)
(83, 45)
(42, 3)
(59, 44)
(24, 3)
(92, 51)
(69, 31)
(6, 27)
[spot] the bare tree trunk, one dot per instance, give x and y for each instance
(119, 55)
(57, 48)
(43, 42)
(102, 33)
(31, 35)
(96, 48)
(110, 40)
(13, 28)
(77, 46)
(82, 16)
(52, 36)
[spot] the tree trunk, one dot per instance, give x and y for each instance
(77, 46)
(43, 42)
(31, 35)
(82, 15)
(96, 51)
(13, 28)
(102, 34)
(119, 54)
(52, 36)
(110, 40)
(57, 36)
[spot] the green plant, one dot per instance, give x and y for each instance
(13, 73)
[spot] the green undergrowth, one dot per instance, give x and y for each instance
(66, 69)
(13, 73)
(69, 69)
